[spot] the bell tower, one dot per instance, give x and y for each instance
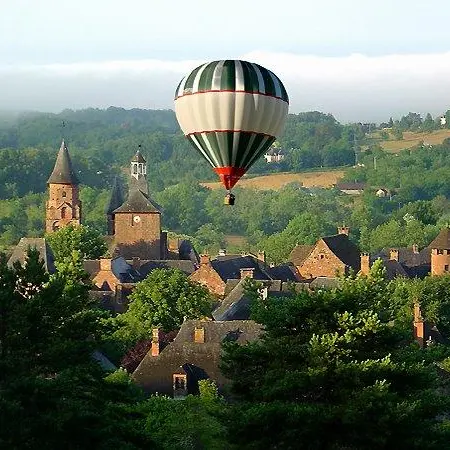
(63, 206)
(138, 172)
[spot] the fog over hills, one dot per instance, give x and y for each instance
(353, 88)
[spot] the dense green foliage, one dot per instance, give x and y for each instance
(51, 388)
(102, 143)
(82, 239)
(337, 369)
(164, 299)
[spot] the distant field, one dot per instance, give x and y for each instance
(411, 139)
(278, 180)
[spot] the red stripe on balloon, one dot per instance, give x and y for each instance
(229, 175)
(230, 131)
(231, 90)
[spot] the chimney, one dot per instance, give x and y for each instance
(365, 263)
(262, 256)
(105, 264)
(136, 262)
(204, 259)
(199, 335)
(174, 245)
(344, 230)
(393, 254)
(155, 342)
(247, 273)
(415, 248)
(419, 326)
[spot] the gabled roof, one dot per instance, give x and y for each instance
(138, 202)
(116, 198)
(63, 172)
(442, 240)
(284, 272)
(235, 306)
(344, 249)
(300, 253)
(41, 245)
(229, 267)
(154, 373)
(407, 256)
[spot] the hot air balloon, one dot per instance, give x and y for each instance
(231, 111)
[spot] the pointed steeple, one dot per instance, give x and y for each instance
(138, 172)
(63, 172)
(116, 198)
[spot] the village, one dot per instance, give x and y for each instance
(137, 245)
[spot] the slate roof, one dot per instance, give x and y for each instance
(184, 265)
(442, 240)
(63, 172)
(138, 202)
(285, 272)
(138, 158)
(198, 360)
(344, 249)
(126, 273)
(300, 253)
(408, 256)
(122, 270)
(117, 197)
(235, 306)
(187, 251)
(40, 244)
(229, 267)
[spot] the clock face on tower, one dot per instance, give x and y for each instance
(136, 219)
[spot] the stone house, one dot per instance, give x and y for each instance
(329, 257)
(194, 355)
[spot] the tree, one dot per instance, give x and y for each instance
(334, 370)
(52, 393)
(82, 239)
(164, 299)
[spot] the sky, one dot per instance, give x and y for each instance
(359, 60)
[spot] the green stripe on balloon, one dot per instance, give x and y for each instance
(228, 81)
(206, 77)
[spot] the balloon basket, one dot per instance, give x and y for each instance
(229, 199)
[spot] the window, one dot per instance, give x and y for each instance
(446, 268)
(179, 385)
(64, 194)
(63, 212)
(321, 256)
(135, 169)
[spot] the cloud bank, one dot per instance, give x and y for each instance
(353, 88)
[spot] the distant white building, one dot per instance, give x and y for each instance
(443, 121)
(274, 155)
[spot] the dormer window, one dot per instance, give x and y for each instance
(179, 385)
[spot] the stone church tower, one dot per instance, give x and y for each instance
(63, 206)
(136, 223)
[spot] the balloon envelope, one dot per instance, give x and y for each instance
(231, 111)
